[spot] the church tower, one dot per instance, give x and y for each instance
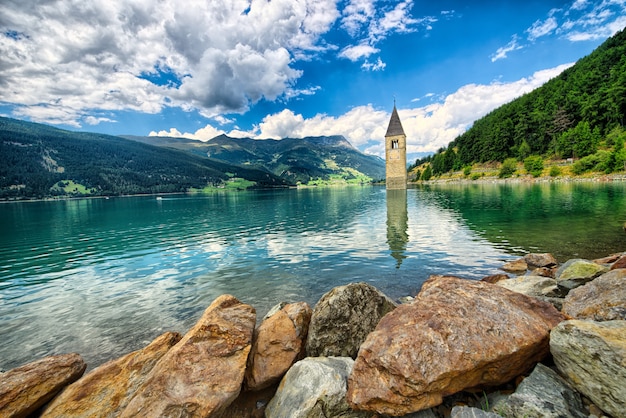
(395, 153)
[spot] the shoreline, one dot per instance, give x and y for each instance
(525, 179)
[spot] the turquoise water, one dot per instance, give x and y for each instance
(103, 277)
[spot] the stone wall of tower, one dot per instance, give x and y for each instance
(395, 156)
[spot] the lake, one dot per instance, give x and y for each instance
(103, 277)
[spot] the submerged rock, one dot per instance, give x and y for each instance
(542, 394)
(343, 317)
(457, 334)
(27, 388)
(603, 299)
(278, 343)
(516, 266)
(314, 387)
(592, 356)
(203, 373)
(106, 390)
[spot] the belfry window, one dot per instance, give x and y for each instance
(394, 144)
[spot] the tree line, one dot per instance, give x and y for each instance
(578, 114)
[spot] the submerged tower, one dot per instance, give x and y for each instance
(395, 153)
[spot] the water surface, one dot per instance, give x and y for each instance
(103, 277)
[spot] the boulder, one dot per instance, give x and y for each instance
(542, 394)
(457, 334)
(544, 271)
(620, 263)
(535, 260)
(203, 373)
(343, 317)
(27, 388)
(314, 387)
(577, 272)
(603, 299)
(106, 390)
(470, 412)
(495, 278)
(592, 357)
(518, 266)
(277, 344)
(535, 286)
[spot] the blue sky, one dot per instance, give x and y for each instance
(286, 68)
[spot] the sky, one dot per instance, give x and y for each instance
(287, 68)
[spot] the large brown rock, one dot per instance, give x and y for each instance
(457, 334)
(202, 374)
(278, 343)
(343, 317)
(27, 388)
(603, 299)
(592, 357)
(106, 390)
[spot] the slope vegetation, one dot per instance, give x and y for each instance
(41, 161)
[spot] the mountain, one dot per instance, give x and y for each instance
(574, 115)
(39, 161)
(292, 159)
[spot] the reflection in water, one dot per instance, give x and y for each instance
(397, 224)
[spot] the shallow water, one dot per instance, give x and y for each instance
(103, 277)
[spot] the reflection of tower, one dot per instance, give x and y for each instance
(397, 224)
(395, 153)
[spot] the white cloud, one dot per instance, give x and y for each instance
(582, 21)
(428, 128)
(502, 52)
(356, 52)
(371, 21)
(539, 28)
(215, 57)
(379, 65)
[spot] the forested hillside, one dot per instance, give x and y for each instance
(293, 159)
(580, 113)
(39, 161)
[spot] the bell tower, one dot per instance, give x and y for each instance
(395, 153)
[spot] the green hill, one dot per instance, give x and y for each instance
(580, 113)
(292, 159)
(38, 161)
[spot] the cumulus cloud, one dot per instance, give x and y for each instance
(62, 59)
(428, 127)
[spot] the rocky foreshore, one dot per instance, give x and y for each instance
(543, 340)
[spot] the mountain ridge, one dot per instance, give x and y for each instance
(296, 160)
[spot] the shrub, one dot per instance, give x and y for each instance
(467, 170)
(476, 176)
(534, 165)
(509, 166)
(555, 171)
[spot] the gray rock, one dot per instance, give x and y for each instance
(344, 317)
(314, 387)
(528, 285)
(603, 299)
(469, 412)
(542, 394)
(577, 272)
(592, 356)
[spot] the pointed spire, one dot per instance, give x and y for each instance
(395, 126)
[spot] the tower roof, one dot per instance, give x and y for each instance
(395, 126)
